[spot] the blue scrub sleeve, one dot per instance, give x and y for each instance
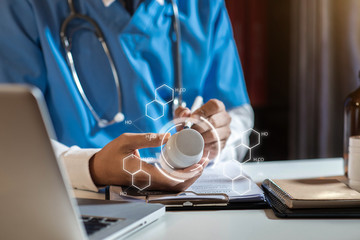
(225, 78)
(21, 59)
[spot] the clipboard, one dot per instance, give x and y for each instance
(184, 201)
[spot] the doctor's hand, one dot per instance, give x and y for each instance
(214, 111)
(107, 165)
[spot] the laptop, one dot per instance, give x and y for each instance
(36, 199)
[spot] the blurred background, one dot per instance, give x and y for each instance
(301, 58)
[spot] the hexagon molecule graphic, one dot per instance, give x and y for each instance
(132, 168)
(164, 94)
(255, 138)
(141, 180)
(154, 110)
(232, 169)
(241, 188)
(247, 150)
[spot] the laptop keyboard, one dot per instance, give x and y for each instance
(94, 224)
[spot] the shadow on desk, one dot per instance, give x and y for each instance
(270, 214)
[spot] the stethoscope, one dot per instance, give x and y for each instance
(119, 116)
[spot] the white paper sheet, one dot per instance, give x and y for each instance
(214, 180)
(218, 179)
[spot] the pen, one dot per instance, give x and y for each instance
(198, 102)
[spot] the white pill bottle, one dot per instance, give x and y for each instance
(183, 149)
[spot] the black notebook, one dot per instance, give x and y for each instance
(328, 201)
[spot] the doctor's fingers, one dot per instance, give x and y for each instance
(159, 181)
(204, 161)
(186, 184)
(195, 172)
(222, 133)
(212, 149)
(132, 141)
(182, 112)
(185, 174)
(210, 108)
(217, 120)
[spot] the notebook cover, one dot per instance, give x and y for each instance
(282, 211)
(313, 193)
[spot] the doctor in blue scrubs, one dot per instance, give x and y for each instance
(100, 112)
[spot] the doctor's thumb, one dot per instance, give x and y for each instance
(144, 140)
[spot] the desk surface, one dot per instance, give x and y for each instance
(254, 224)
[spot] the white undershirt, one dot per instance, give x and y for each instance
(76, 159)
(107, 2)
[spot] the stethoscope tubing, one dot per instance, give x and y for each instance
(67, 44)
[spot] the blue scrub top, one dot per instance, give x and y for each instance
(31, 52)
